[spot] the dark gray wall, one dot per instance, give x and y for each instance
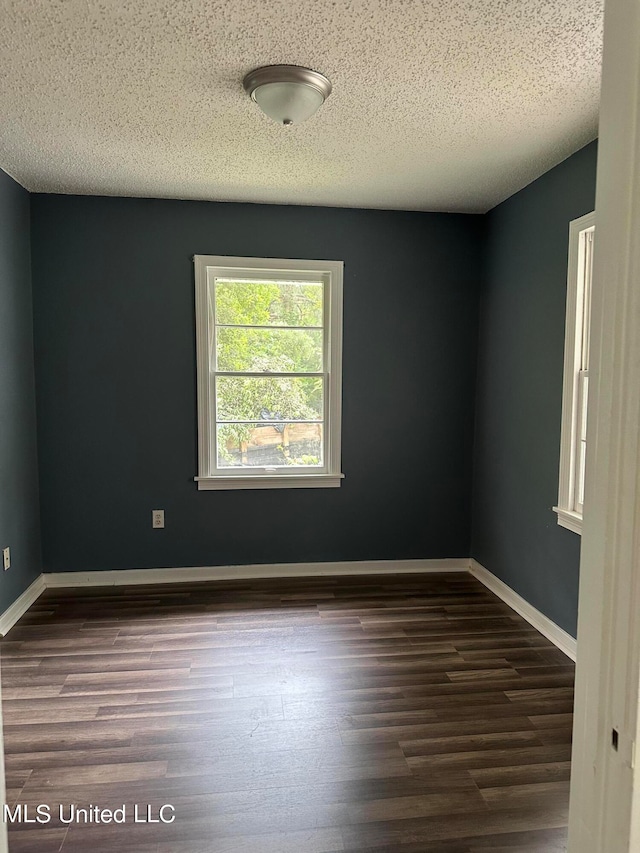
(519, 390)
(115, 367)
(19, 509)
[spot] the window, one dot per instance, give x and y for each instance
(269, 350)
(573, 442)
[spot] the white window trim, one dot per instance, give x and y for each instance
(300, 478)
(566, 511)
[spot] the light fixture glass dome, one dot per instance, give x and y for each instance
(288, 103)
(288, 94)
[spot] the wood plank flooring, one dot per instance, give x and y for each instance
(404, 714)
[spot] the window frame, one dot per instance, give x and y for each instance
(569, 509)
(210, 476)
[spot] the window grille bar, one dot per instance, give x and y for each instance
(259, 422)
(273, 328)
(268, 374)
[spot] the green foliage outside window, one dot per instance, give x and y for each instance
(265, 350)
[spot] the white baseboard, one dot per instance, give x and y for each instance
(20, 606)
(559, 637)
(125, 577)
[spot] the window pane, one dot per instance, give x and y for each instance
(280, 398)
(583, 391)
(270, 445)
(280, 350)
(582, 467)
(584, 403)
(268, 303)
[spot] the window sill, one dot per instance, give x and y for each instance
(289, 481)
(569, 519)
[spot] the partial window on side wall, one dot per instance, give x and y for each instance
(573, 441)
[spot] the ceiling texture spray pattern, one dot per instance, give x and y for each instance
(448, 105)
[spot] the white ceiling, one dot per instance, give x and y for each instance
(437, 104)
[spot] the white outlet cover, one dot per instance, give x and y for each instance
(157, 518)
(6, 558)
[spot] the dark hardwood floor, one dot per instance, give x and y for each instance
(406, 714)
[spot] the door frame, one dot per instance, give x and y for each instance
(604, 814)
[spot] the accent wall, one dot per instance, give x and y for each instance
(519, 390)
(19, 507)
(115, 367)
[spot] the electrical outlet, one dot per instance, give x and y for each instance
(6, 558)
(157, 518)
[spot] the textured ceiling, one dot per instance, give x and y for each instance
(437, 104)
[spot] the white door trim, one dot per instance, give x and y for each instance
(605, 787)
(4, 838)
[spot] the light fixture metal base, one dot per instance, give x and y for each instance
(286, 74)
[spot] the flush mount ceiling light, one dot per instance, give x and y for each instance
(289, 94)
